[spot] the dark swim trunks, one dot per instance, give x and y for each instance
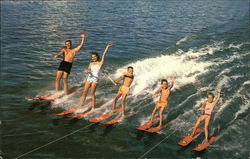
(65, 66)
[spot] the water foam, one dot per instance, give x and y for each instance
(246, 103)
(237, 46)
(185, 66)
(185, 39)
(237, 94)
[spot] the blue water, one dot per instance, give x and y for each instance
(204, 44)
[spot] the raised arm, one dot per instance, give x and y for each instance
(218, 96)
(172, 83)
(82, 43)
(104, 53)
(59, 54)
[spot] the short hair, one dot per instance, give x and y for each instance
(210, 93)
(94, 53)
(130, 67)
(164, 80)
(68, 41)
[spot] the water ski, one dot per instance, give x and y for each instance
(204, 145)
(117, 120)
(78, 115)
(114, 121)
(47, 98)
(147, 124)
(155, 129)
(66, 112)
(104, 116)
(188, 139)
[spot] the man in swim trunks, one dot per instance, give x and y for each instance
(127, 78)
(207, 107)
(93, 76)
(69, 54)
(164, 92)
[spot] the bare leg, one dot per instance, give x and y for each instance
(58, 78)
(65, 82)
(161, 116)
(118, 95)
(153, 113)
(85, 91)
(199, 120)
(93, 88)
(206, 128)
(124, 96)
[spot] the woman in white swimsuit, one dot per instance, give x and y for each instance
(207, 107)
(93, 76)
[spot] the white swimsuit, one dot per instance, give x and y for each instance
(94, 74)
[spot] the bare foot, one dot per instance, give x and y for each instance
(159, 127)
(205, 141)
(123, 116)
(191, 135)
(150, 122)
